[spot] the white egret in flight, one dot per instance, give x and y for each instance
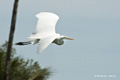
(45, 32)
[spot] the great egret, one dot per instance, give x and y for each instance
(45, 32)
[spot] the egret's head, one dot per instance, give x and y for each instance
(60, 40)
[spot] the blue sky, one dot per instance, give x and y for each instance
(94, 24)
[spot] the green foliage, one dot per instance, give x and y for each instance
(21, 69)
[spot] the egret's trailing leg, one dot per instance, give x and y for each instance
(23, 43)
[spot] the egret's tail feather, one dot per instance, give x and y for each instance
(23, 43)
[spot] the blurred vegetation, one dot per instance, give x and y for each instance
(21, 69)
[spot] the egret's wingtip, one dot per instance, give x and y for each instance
(47, 14)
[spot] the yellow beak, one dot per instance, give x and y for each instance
(69, 38)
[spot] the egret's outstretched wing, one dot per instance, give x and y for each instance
(46, 23)
(44, 42)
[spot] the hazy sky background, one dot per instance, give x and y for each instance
(94, 24)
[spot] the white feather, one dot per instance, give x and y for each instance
(45, 30)
(45, 42)
(46, 23)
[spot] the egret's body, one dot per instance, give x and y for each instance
(45, 32)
